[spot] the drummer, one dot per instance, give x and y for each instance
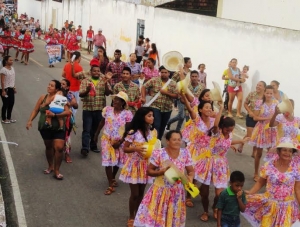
(134, 172)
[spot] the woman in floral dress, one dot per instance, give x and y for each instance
(263, 136)
(164, 203)
(212, 166)
(279, 205)
(114, 120)
(134, 172)
(287, 126)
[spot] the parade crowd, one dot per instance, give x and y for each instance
(144, 93)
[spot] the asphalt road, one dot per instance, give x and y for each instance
(78, 200)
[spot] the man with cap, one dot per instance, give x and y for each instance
(99, 40)
(130, 88)
(162, 91)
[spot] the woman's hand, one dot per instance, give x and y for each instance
(3, 93)
(247, 192)
(233, 148)
(277, 111)
(140, 150)
(163, 170)
(251, 114)
(245, 140)
(116, 144)
(29, 125)
(15, 90)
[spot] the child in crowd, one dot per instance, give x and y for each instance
(232, 201)
(56, 106)
(202, 74)
(243, 75)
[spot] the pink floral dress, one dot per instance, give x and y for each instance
(287, 129)
(195, 135)
(113, 130)
(164, 204)
(277, 207)
(213, 167)
(134, 170)
(263, 137)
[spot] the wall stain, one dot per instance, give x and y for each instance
(124, 38)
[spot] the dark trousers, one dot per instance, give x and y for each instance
(225, 92)
(8, 103)
(91, 120)
(139, 59)
(160, 121)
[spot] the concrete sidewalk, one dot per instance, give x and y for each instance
(2, 211)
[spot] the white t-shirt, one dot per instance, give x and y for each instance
(140, 50)
(10, 77)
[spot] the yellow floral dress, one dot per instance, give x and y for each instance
(277, 207)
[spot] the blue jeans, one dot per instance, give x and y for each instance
(160, 121)
(33, 33)
(179, 117)
(230, 221)
(91, 120)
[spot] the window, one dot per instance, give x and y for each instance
(57, 1)
(140, 28)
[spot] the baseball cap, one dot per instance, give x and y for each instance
(99, 29)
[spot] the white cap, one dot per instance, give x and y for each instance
(99, 29)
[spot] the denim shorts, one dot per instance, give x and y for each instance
(250, 123)
(230, 221)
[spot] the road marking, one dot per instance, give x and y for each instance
(14, 181)
(31, 59)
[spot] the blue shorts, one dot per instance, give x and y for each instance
(230, 221)
(250, 123)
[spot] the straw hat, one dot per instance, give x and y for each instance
(286, 142)
(172, 60)
(183, 85)
(216, 93)
(286, 106)
(122, 95)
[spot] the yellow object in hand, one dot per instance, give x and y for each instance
(192, 189)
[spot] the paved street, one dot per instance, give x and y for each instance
(78, 200)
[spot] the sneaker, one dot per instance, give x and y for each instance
(168, 128)
(236, 88)
(12, 121)
(5, 121)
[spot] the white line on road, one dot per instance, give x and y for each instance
(31, 59)
(14, 181)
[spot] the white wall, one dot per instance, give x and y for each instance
(272, 53)
(278, 13)
(31, 7)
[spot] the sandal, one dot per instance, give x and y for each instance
(240, 148)
(68, 158)
(109, 190)
(255, 178)
(215, 210)
(58, 176)
(114, 183)
(239, 116)
(204, 217)
(48, 171)
(189, 203)
(130, 223)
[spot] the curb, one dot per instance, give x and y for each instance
(2, 211)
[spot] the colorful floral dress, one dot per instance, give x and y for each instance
(285, 128)
(164, 203)
(213, 167)
(114, 128)
(277, 207)
(262, 135)
(195, 135)
(135, 169)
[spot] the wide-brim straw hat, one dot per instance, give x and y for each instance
(216, 92)
(122, 95)
(172, 60)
